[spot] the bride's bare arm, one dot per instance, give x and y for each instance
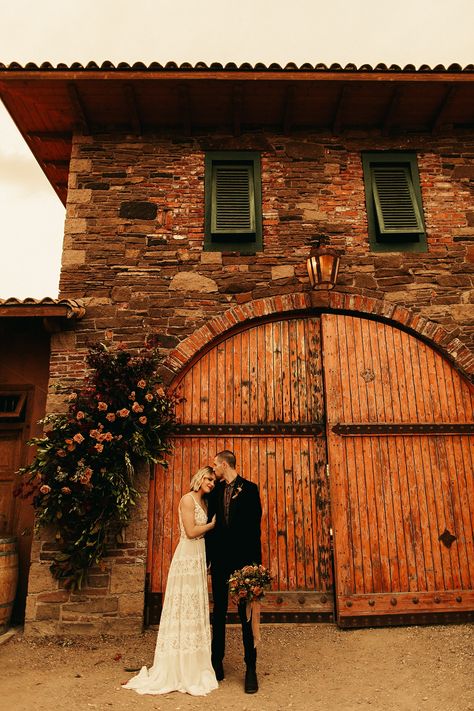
(187, 514)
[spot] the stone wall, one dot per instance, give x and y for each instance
(112, 602)
(148, 272)
(133, 252)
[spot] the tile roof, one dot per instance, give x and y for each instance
(47, 306)
(232, 66)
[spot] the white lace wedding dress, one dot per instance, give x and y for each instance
(183, 649)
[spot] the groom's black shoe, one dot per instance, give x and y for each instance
(251, 683)
(219, 670)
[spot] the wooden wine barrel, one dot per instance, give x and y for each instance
(8, 578)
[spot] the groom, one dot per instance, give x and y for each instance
(233, 543)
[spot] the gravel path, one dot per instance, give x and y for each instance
(300, 667)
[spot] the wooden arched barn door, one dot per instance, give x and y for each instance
(399, 420)
(259, 393)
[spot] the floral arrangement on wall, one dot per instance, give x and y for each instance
(82, 476)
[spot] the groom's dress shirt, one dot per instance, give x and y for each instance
(228, 492)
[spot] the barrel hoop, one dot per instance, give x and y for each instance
(2, 553)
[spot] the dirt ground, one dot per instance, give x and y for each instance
(300, 667)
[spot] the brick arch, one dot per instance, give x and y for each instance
(452, 348)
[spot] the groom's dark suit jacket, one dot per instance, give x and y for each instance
(233, 545)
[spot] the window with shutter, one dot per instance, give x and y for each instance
(393, 200)
(233, 202)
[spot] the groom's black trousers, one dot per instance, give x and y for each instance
(220, 594)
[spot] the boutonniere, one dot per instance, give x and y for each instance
(237, 492)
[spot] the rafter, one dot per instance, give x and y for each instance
(389, 118)
(132, 105)
(444, 108)
(78, 107)
(288, 112)
(185, 108)
(237, 94)
(338, 120)
(56, 162)
(50, 136)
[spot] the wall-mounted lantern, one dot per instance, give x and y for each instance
(323, 266)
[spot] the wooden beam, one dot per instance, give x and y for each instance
(132, 104)
(50, 136)
(56, 162)
(444, 107)
(390, 115)
(341, 76)
(78, 107)
(338, 120)
(288, 106)
(237, 109)
(185, 108)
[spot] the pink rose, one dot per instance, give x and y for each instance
(80, 415)
(78, 438)
(110, 416)
(102, 405)
(99, 447)
(66, 490)
(108, 436)
(141, 384)
(136, 407)
(45, 489)
(149, 397)
(123, 412)
(61, 453)
(142, 420)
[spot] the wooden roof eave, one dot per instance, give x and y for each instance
(11, 76)
(65, 309)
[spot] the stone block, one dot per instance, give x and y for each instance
(57, 596)
(121, 293)
(284, 271)
(304, 150)
(131, 604)
(118, 626)
(211, 257)
(75, 226)
(47, 611)
(138, 210)
(106, 604)
(127, 579)
(192, 281)
(40, 579)
(73, 257)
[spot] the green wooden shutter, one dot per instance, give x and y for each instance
(395, 201)
(233, 201)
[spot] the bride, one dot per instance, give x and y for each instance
(183, 648)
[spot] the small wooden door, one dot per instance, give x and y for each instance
(401, 475)
(10, 451)
(259, 393)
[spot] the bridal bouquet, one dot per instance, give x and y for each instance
(249, 583)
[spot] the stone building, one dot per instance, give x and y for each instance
(194, 197)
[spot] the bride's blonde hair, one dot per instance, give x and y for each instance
(196, 481)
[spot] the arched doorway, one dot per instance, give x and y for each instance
(303, 397)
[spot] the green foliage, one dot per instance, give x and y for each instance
(81, 478)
